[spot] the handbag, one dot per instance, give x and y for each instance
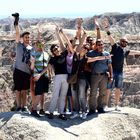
(72, 79)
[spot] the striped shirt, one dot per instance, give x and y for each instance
(41, 62)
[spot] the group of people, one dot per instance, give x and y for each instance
(96, 71)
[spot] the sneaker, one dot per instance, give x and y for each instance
(63, 117)
(18, 109)
(51, 116)
(25, 109)
(74, 115)
(91, 112)
(106, 109)
(35, 114)
(117, 108)
(41, 112)
(84, 116)
(101, 110)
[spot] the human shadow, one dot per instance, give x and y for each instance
(65, 124)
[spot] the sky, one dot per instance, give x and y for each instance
(66, 8)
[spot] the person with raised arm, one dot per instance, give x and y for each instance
(22, 73)
(58, 62)
(119, 53)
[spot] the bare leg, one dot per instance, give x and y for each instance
(18, 98)
(107, 96)
(117, 96)
(42, 101)
(36, 102)
(32, 90)
(24, 98)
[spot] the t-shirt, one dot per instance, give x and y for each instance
(23, 57)
(119, 54)
(41, 62)
(81, 69)
(59, 63)
(99, 66)
(69, 62)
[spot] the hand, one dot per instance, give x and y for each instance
(36, 78)
(57, 29)
(105, 24)
(110, 79)
(108, 56)
(61, 30)
(96, 23)
(79, 22)
(32, 59)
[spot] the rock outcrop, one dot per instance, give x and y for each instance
(123, 125)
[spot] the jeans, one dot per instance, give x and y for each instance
(82, 94)
(117, 79)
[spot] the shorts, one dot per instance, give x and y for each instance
(21, 80)
(42, 85)
(117, 80)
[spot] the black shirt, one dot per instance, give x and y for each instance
(59, 63)
(118, 57)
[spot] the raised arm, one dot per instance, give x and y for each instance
(16, 25)
(83, 38)
(68, 41)
(62, 45)
(106, 27)
(97, 28)
(80, 29)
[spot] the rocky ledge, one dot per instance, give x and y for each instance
(123, 125)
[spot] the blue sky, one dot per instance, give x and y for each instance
(66, 8)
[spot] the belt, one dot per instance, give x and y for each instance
(99, 73)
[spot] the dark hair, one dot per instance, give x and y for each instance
(89, 39)
(98, 41)
(53, 46)
(24, 33)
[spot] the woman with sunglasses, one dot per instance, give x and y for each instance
(59, 64)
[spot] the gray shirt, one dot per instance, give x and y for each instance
(22, 58)
(100, 66)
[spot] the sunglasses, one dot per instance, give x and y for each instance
(99, 44)
(39, 45)
(124, 41)
(55, 49)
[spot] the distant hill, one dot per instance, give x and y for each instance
(120, 24)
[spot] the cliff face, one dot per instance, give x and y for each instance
(121, 24)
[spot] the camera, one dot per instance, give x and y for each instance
(16, 15)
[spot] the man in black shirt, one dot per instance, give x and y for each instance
(119, 53)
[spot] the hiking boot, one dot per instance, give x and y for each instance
(25, 109)
(74, 115)
(91, 112)
(51, 116)
(41, 112)
(62, 117)
(101, 110)
(35, 114)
